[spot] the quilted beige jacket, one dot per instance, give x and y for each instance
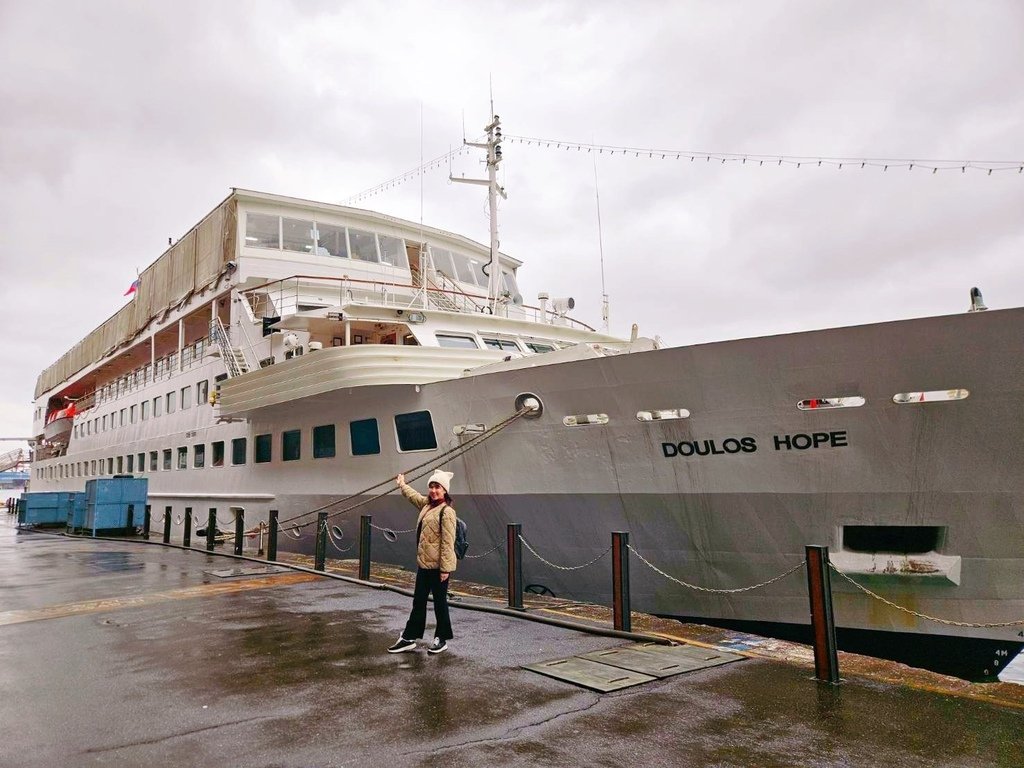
(434, 549)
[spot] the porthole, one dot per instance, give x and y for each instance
(663, 414)
(822, 403)
(933, 396)
(585, 418)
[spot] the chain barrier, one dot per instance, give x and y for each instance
(682, 583)
(335, 534)
(390, 533)
(454, 453)
(485, 554)
(562, 567)
(926, 617)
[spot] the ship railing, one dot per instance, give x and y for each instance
(298, 293)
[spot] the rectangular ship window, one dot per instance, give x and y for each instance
(323, 441)
(170, 402)
(217, 451)
(238, 451)
(262, 231)
(186, 398)
(199, 456)
(158, 406)
(365, 437)
(202, 392)
(291, 445)
(183, 457)
(895, 539)
(456, 342)
(120, 465)
(141, 462)
(130, 461)
(263, 449)
(152, 461)
(415, 431)
(167, 459)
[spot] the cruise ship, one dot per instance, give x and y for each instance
(288, 355)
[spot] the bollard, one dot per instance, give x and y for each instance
(239, 530)
(321, 542)
(130, 527)
(147, 522)
(186, 537)
(823, 627)
(620, 581)
(211, 530)
(272, 537)
(364, 547)
(515, 566)
(167, 525)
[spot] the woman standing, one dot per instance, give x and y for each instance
(435, 560)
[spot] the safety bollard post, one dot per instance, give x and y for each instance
(186, 537)
(620, 581)
(515, 566)
(239, 530)
(147, 521)
(823, 627)
(320, 558)
(272, 537)
(167, 524)
(364, 547)
(211, 530)
(130, 527)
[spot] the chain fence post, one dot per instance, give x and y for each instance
(211, 530)
(167, 524)
(239, 530)
(823, 627)
(620, 581)
(186, 537)
(515, 566)
(364, 547)
(320, 557)
(272, 537)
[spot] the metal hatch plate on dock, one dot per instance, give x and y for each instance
(259, 570)
(615, 668)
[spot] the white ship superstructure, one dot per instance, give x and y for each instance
(286, 353)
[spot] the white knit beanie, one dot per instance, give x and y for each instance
(444, 479)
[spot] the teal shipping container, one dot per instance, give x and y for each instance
(108, 499)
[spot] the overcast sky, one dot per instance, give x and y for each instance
(123, 123)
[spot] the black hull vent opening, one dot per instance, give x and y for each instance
(895, 539)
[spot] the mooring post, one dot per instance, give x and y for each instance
(620, 581)
(130, 522)
(167, 525)
(239, 530)
(819, 588)
(186, 537)
(272, 537)
(211, 530)
(147, 521)
(515, 566)
(364, 547)
(320, 558)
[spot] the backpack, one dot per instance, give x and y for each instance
(461, 537)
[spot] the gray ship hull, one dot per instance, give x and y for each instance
(714, 515)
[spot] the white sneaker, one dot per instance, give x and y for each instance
(402, 646)
(438, 646)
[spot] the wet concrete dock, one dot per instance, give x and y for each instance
(126, 654)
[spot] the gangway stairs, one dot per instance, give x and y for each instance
(12, 459)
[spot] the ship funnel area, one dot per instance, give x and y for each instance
(977, 303)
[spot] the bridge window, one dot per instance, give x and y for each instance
(392, 251)
(443, 262)
(332, 241)
(364, 245)
(503, 344)
(297, 235)
(415, 431)
(539, 348)
(262, 231)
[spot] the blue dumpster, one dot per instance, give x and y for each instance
(45, 508)
(107, 500)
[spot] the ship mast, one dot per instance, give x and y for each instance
(493, 148)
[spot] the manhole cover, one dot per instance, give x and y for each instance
(259, 570)
(589, 674)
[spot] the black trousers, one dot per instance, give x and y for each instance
(428, 582)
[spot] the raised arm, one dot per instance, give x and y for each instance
(409, 492)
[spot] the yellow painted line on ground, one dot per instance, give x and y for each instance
(186, 593)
